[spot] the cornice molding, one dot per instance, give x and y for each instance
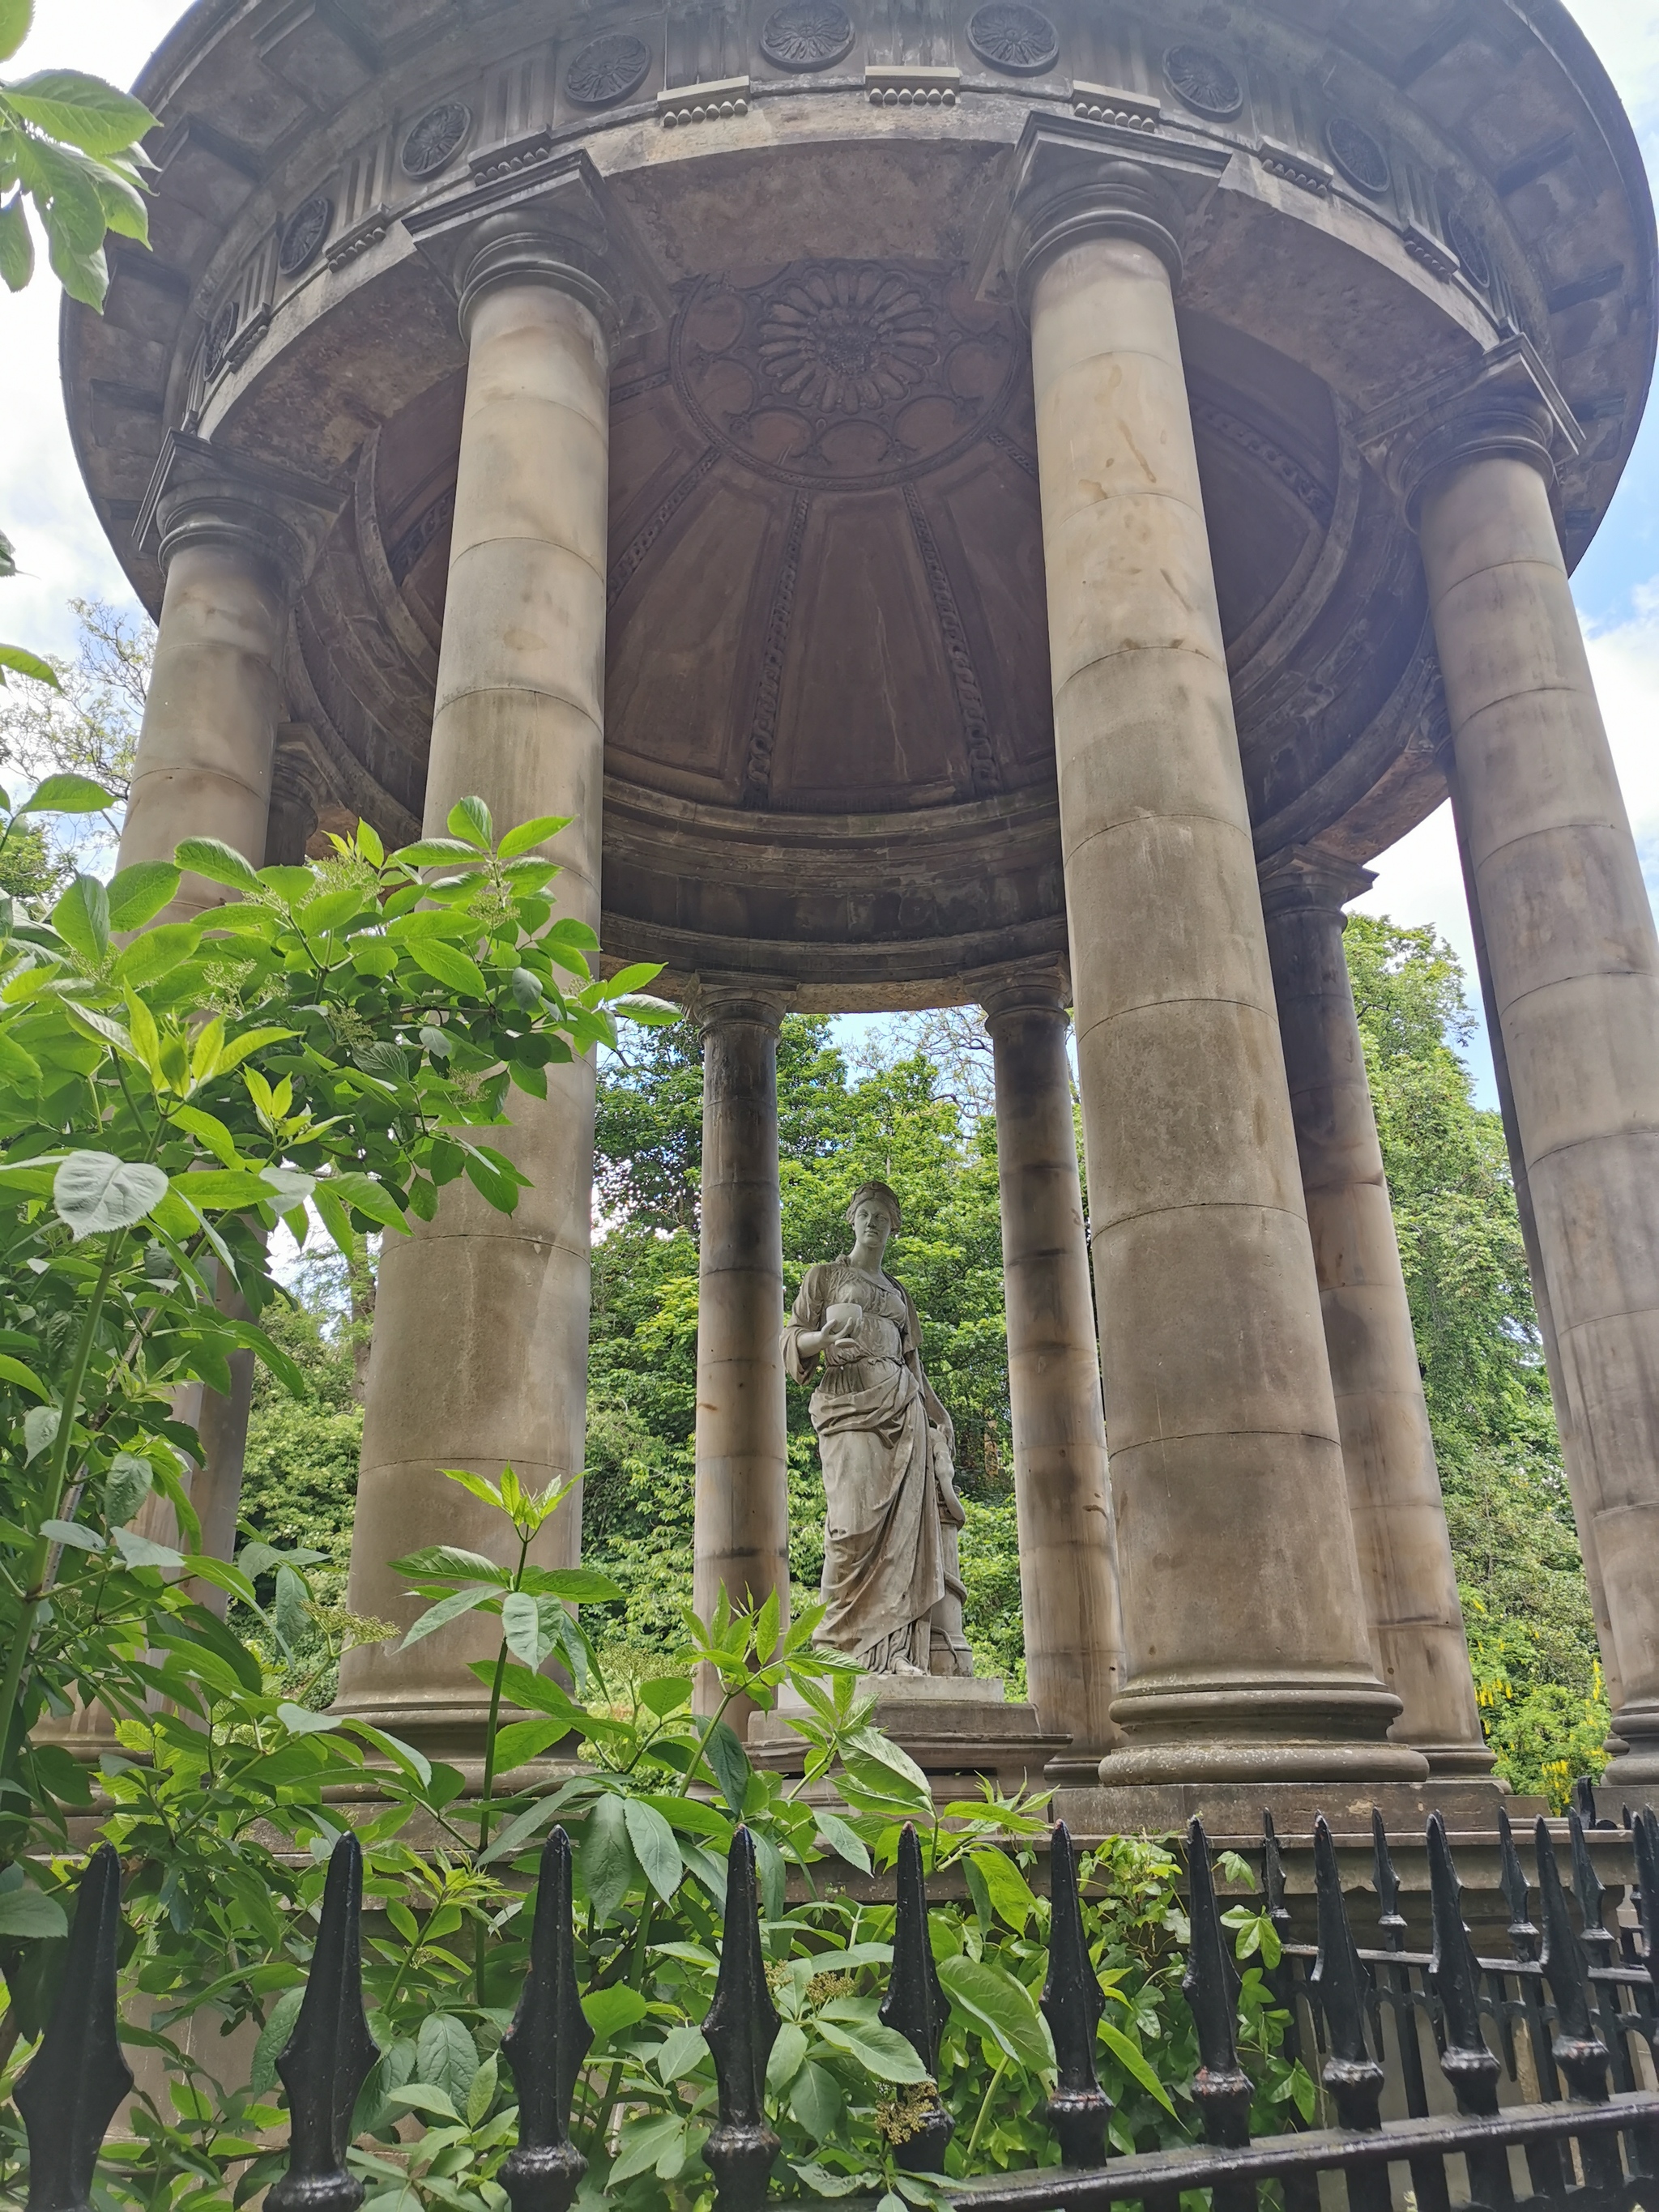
(199, 492)
(1306, 878)
(1509, 405)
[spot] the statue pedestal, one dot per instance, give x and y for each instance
(957, 1727)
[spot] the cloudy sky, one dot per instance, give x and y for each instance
(64, 554)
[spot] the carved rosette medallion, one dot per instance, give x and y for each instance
(846, 373)
(303, 234)
(1014, 38)
(220, 331)
(607, 71)
(433, 141)
(1357, 155)
(1204, 81)
(807, 34)
(1466, 243)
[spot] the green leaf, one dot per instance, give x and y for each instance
(139, 1552)
(843, 1838)
(30, 1913)
(434, 853)
(521, 1625)
(208, 1129)
(1133, 2062)
(817, 2102)
(606, 1858)
(525, 1740)
(788, 2057)
(1001, 2009)
(126, 1487)
(609, 2011)
(446, 1610)
(13, 1371)
(528, 834)
(435, 1561)
(299, 1722)
(68, 794)
(138, 894)
(481, 2093)
(17, 1065)
(367, 1196)
(880, 2051)
(469, 820)
(654, 1847)
(643, 2143)
(93, 1192)
(446, 2057)
(82, 919)
(41, 1425)
(273, 2039)
(72, 1533)
(16, 17)
(221, 1188)
(1009, 1893)
(17, 657)
(729, 1763)
(576, 1585)
(81, 110)
(681, 2051)
(449, 965)
(219, 862)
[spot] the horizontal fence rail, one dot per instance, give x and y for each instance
(1573, 2014)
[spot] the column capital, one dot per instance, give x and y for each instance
(1508, 406)
(1307, 878)
(711, 999)
(1028, 986)
(528, 216)
(201, 493)
(1073, 179)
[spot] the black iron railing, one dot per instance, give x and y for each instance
(1579, 2002)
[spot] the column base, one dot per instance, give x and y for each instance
(1231, 1811)
(1461, 1762)
(958, 1730)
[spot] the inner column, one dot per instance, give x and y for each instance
(742, 1543)
(1067, 1563)
(481, 1321)
(1244, 1622)
(1388, 1447)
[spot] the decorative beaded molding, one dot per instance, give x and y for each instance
(1105, 103)
(247, 338)
(912, 87)
(517, 154)
(1429, 251)
(703, 103)
(361, 235)
(1297, 168)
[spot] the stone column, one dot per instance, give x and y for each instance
(1067, 1561)
(742, 1446)
(480, 1346)
(1571, 1449)
(1244, 1626)
(1393, 1485)
(1574, 957)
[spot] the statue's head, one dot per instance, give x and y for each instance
(875, 1213)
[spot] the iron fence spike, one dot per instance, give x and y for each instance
(1512, 1881)
(1079, 2112)
(545, 2046)
(1577, 2049)
(917, 2007)
(1587, 1885)
(1352, 2077)
(1221, 2089)
(1273, 1871)
(68, 2091)
(1389, 1916)
(1646, 1900)
(741, 2028)
(1467, 2063)
(328, 2056)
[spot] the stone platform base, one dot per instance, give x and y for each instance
(955, 1729)
(1231, 1811)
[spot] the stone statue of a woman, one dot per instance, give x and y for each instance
(890, 1578)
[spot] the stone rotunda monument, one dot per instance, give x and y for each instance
(998, 502)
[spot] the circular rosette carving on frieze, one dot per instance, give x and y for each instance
(807, 34)
(1466, 243)
(303, 234)
(432, 143)
(608, 70)
(857, 374)
(1357, 155)
(1017, 38)
(1204, 81)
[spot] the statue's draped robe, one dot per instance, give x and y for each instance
(884, 1559)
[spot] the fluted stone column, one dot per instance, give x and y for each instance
(480, 1322)
(1571, 1449)
(1067, 1562)
(1245, 1623)
(742, 1544)
(1388, 1450)
(1574, 959)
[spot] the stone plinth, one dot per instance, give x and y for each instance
(955, 1728)
(1231, 1811)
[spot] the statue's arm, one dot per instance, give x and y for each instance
(803, 1329)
